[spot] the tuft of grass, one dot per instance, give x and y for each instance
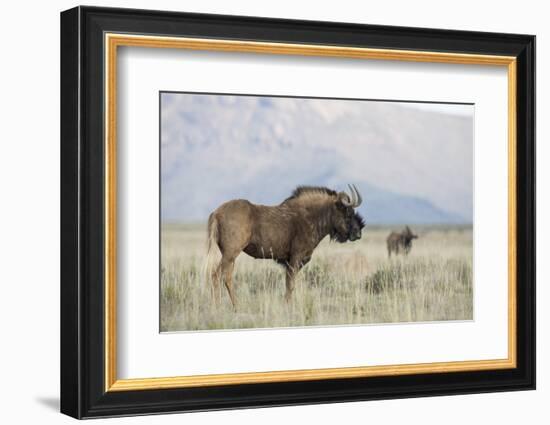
(352, 283)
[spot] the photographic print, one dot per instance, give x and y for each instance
(293, 211)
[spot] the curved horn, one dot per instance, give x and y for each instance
(354, 200)
(359, 198)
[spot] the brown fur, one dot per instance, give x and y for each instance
(400, 242)
(287, 233)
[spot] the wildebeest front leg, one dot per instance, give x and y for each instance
(290, 273)
(291, 269)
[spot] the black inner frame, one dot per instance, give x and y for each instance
(82, 212)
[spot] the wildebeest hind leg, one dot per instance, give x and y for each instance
(216, 276)
(227, 266)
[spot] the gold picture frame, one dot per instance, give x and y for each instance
(114, 41)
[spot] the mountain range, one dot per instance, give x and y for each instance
(411, 165)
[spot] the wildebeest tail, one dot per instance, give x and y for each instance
(211, 243)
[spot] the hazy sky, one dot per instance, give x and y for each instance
(412, 161)
(444, 108)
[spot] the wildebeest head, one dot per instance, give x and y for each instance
(346, 223)
(408, 234)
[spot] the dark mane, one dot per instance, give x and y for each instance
(302, 190)
(360, 220)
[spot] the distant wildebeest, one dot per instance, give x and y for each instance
(400, 242)
(287, 233)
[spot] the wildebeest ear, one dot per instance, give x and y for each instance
(343, 199)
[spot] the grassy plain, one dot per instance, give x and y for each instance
(351, 283)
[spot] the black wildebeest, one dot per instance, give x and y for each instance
(400, 242)
(287, 233)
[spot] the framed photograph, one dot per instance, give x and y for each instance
(260, 212)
